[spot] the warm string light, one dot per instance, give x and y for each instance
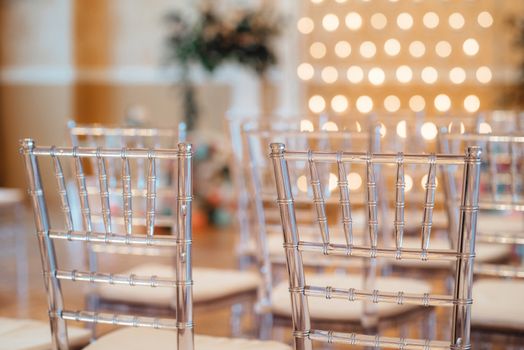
(392, 47)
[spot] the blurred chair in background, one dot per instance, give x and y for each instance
(181, 283)
(268, 228)
(243, 286)
(306, 292)
(499, 287)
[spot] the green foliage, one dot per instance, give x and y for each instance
(245, 38)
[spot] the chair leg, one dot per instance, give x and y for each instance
(237, 311)
(265, 325)
(92, 303)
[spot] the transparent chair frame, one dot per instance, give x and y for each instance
(460, 301)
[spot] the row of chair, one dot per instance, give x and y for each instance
(316, 193)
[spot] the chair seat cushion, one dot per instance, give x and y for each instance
(344, 310)
(484, 253)
(499, 222)
(209, 284)
(145, 338)
(10, 196)
(22, 334)
(497, 303)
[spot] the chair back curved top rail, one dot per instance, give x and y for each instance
(295, 243)
(123, 233)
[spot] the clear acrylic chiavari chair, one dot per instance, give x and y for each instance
(321, 268)
(244, 286)
(369, 292)
(174, 332)
(240, 169)
(410, 132)
(498, 288)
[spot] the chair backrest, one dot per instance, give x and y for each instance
(97, 135)
(260, 181)
(295, 243)
(502, 190)
(240, 157)
(112, 233)
(499, 122)
(410, 132)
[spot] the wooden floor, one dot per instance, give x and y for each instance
(22, 293)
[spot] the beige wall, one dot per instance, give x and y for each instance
(89, 61)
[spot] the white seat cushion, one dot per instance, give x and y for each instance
(491, 222)
(497, 303)
(22, 334)
(10, 196)
(484, 252)
(209, 284)
(344, 310)
(145, 338)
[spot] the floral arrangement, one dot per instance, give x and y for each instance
(210, 40)
(243, 37)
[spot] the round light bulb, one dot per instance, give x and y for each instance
(392, 47)
(484, 128)
(364, 104)
(471, 47)
(330, 22)
(402, 129)
(329, 74)
(443, 49)
(342, 49)
(305, 71)
(417, 103)
(317, 50)
(305, 25)
(404, 21)
(484, 75)
(379, 21)
(472, 103)
(317, 104)
(392, 103)
(306, 125)
(353, 21)
(457, 75)
(430, 20)
(354, 181)
(404, 74)
(355, 74)
(417, 49)
(376, 76)
(442, 103)
(428, 131)
(429, 75)
(329, 126)
(368, 49)
(456, 20)
(339, 103)
(485, 19)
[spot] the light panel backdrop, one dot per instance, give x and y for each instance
(386, 56)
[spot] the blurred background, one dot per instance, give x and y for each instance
(161, 62)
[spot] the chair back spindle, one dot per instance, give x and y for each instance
(113, 233)
(296, 243)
